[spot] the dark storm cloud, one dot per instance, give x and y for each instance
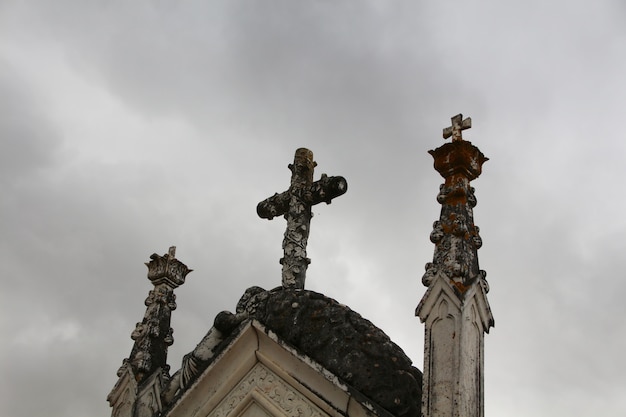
(285, 66)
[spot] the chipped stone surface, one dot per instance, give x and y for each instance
(340, 340)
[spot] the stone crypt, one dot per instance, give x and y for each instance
(294, 352)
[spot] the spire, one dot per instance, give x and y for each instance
(455, 236)
(454, 308)
(295, 204)
(143, 374)
(153, 335)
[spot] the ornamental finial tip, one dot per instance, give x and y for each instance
(458, 125)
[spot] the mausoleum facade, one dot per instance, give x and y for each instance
(289, 351)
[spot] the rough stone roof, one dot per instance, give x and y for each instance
(339, 339)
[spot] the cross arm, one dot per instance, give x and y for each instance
(276, 205)
(322, 190)
(458, 125)
(327, 188)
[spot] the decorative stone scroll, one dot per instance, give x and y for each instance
(295, 204)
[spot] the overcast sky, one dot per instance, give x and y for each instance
(127, 127)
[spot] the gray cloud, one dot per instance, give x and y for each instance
(127, 128)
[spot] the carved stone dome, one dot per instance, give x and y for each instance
(339, 339)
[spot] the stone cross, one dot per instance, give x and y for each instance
(295, 204)
(458, 125)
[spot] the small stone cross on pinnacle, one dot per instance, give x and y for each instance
(458, 125)
(295, 204)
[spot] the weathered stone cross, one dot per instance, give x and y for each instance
(295, 204)
(458, 125)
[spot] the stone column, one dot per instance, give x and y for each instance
(454, 308)
(143, 375)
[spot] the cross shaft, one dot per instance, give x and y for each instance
(295, 204)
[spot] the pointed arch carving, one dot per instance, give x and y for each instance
(265, 387)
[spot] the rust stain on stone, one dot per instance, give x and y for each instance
(459, 286)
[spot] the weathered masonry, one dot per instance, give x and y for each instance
(294, 352)
(455, 307)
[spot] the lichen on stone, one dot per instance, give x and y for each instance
(340, 340)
